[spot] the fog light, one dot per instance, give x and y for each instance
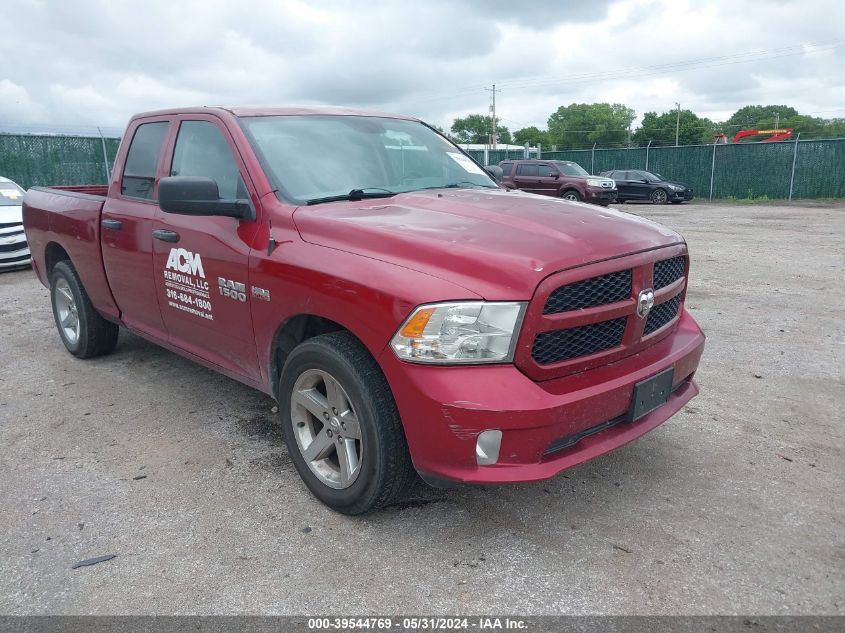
(487, 447)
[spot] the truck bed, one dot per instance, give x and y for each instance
(67, 219)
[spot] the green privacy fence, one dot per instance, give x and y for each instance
(34, 159)
(810, 169)
(790, 169)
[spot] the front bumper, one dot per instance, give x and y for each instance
(444, 409)
(680, 196)
(14, 251)
(599, 195)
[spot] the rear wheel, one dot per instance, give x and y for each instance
(341, 425)
(658, 196)
(571, 194)
(83, 331)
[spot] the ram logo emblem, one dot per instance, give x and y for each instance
(645, 302)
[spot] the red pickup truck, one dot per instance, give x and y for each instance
(409, 315)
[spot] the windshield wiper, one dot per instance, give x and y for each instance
(356, 194)
(458, 185)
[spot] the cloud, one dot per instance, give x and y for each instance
(16, 103)
(97, 62)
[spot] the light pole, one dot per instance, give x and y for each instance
(677, 123)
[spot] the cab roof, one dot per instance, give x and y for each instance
(253, 111)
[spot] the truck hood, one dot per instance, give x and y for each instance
(498, 244)
(11, 215)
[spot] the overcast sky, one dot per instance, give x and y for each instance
(72, 63)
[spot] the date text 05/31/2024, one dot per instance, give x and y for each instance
(417, 623)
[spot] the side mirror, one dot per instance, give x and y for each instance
(644, 181)
(495, 172)
(556, 176)
(193, 195)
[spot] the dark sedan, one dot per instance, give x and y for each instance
(636, 184)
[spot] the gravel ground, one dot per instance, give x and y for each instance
(734, 506)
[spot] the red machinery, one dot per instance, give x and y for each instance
(777, 134)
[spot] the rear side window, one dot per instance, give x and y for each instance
(507, 168)
(527, 170)
(544, 171)
(201, 150)
(140, 171)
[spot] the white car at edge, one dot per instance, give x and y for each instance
(14, 251)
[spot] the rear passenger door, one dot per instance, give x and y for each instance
(201, 262)
(623, 185)
(527, 177)
(126, 226)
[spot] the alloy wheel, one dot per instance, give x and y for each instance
(67, 311)
(326, 427)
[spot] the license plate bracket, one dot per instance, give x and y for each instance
(650, 394)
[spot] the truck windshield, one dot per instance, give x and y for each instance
(10, 194)
(310, 157)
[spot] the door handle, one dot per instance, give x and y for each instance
(114, 225)
(166, 236)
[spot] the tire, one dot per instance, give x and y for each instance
(571, 194)
(83, 331)
(658, 196)
(356, 412)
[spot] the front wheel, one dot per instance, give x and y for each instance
(658, 196)
(571, 194)
(83, 331)
(341, 425)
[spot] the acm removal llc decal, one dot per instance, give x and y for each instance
(186, 287)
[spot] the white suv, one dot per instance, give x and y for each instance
(14, 251)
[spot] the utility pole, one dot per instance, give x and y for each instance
(677, 124)
(777, 120)
(493, 139)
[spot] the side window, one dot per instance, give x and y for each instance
(139, 173)
(507, 168)
(526, 170)
(544, 171)
(201, 150)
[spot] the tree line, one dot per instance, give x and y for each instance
(581, 125)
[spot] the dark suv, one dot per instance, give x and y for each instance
(559, 178)
(636, 184)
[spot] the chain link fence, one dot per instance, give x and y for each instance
(34, 159)
(785, 170)
(789, 169)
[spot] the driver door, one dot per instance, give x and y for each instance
(638, 186)
(202, 262)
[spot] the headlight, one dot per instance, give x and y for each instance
(594, 182)
(464, 332)
(676, 188)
